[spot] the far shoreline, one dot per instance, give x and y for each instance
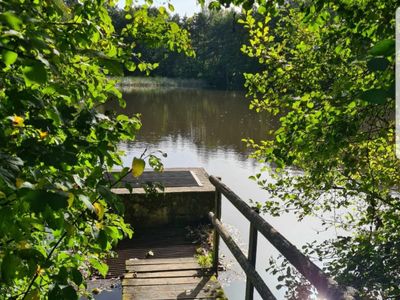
(127, 84)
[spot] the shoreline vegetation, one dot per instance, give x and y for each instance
(127, 84)
(216, 37)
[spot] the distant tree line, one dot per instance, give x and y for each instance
(216, 38)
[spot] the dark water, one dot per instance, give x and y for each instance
(206, 121)
(203, 128)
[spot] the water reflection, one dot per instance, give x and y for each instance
(211, 120)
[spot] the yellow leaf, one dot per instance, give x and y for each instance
(40, 271)
(43, 134)
(70, 200)
(99, 210)
(24, 245)
(138, 165)
(2, 195)
(18, 121)
(19, 182)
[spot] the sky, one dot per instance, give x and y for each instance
(182, 7)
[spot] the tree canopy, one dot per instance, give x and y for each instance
(328, 72)
(216, 38)
(58, 217)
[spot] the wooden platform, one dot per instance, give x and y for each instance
(163, 242)
(176, 180)
(169, 278)
(168, 178)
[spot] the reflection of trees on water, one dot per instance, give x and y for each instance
(211, 120)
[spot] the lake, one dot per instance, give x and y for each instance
(204, 128)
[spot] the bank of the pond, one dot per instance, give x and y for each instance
(127, 84)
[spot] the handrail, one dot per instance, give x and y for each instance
(326, 286)
(252, 274)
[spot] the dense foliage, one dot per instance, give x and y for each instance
(328, 72)
(58, 217)
(216, 38)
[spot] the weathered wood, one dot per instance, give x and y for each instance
(169, 274)
(167, 178)
(162, 281)
(251, 257)
(326, 286)
(157, 261)
(156, 279)
(164, 242)
(164, 267)
(216, 235)
(177, 291)
(251, 273)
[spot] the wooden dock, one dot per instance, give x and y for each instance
(163, 225)
(169, 278)
(172, 272)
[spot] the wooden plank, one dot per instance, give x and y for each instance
(155, 261)
(163, 281)
(205, 289)
(164, 267)
(206, 298)
(130, 297)
(188, 273)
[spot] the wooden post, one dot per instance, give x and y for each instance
(251, 273)
(251, 257)
(216, 234)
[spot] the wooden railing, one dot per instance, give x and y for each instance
(325, 285)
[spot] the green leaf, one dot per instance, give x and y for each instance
(9, 267)
(40, 199)
(12, 20)
(262, 9)
(384, 48)
(214, 5)
(9, 57)
(113, 66)
(69, 293)
(171, 7)
(32, 253)
(375, 96)
(102, 239)
(113, 232)
(130, 65)
(62, 276)
(77, 277)
(55, 293)
(378, 64)
(138, 166)
(174, 27)
(34, 73)
(99, 266)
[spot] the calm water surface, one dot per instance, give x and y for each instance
(204, 128)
